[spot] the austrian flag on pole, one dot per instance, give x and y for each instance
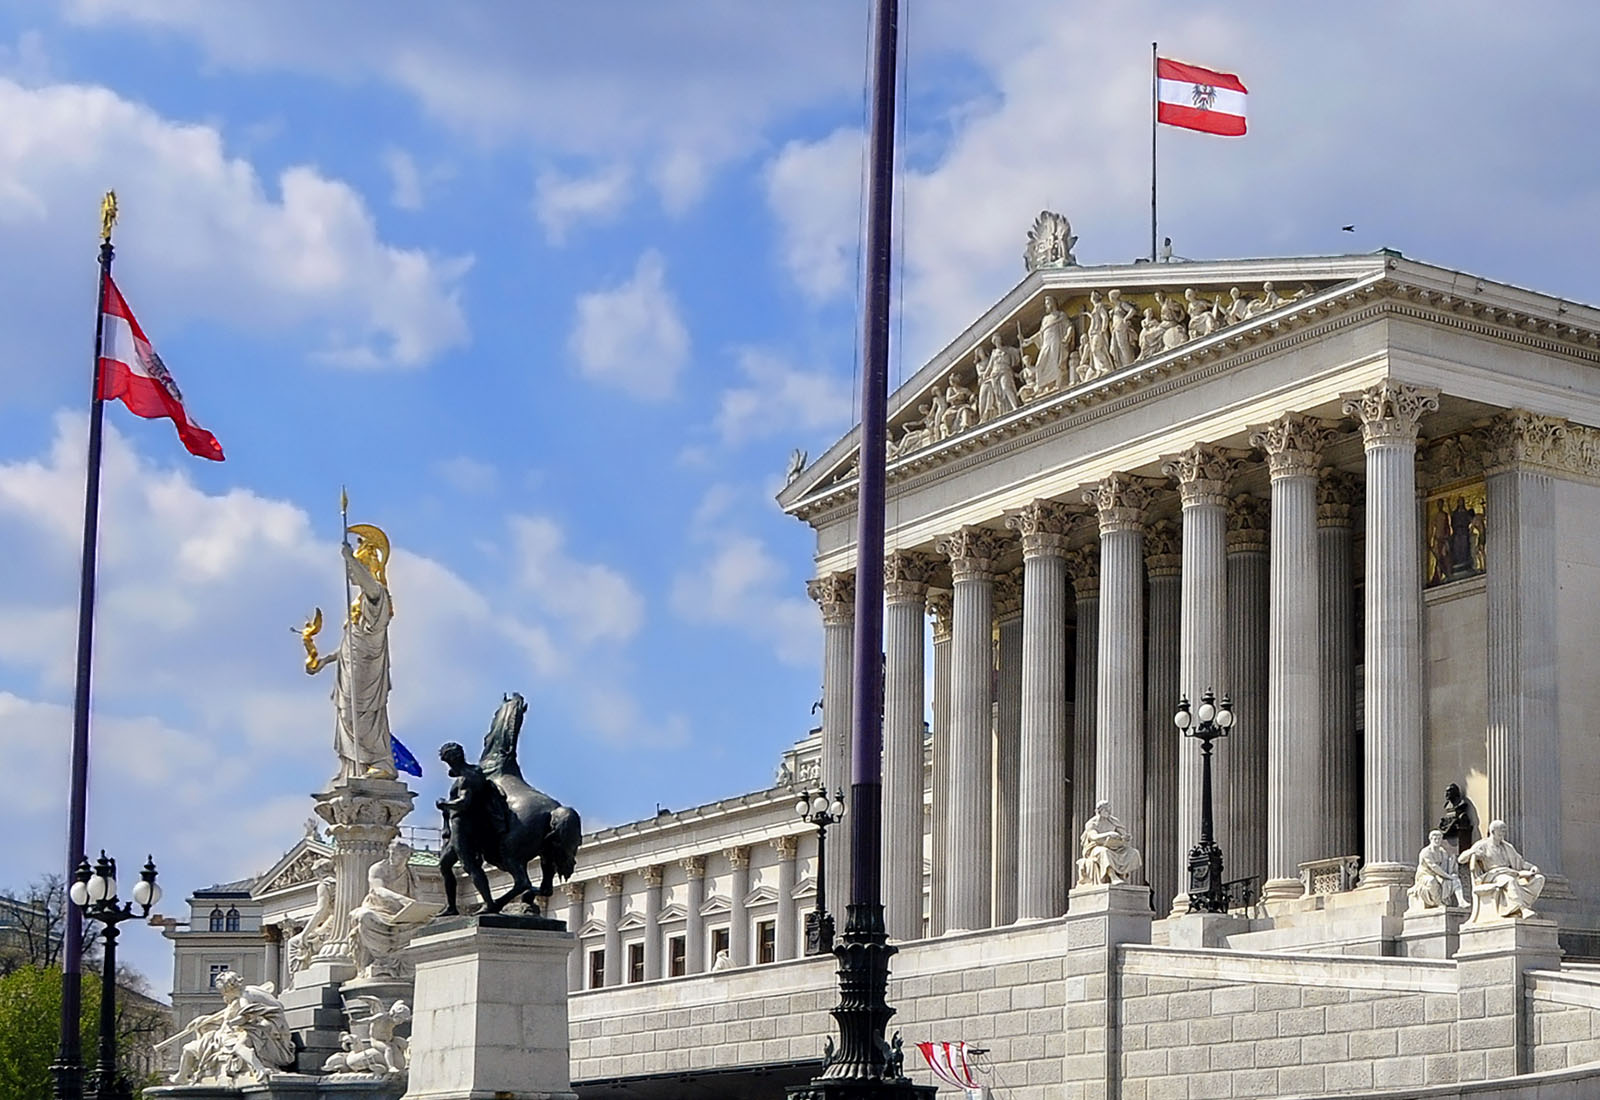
(1199, 99)
(132, 372)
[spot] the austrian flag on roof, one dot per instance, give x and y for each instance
(1199, 99)
(131, 371)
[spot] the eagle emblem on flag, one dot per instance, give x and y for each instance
(1204, 96)
(158, 370)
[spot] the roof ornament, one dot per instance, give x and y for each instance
(1050, 242)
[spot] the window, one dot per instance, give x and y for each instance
(766, 941)
(636, 962)
(719, 948)
(217, 970)
(231, 921)
(216, 920)
(597, 968)
(677, 956)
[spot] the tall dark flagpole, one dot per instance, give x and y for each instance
(1154, 99)
(67, 1070)
(862, 1066)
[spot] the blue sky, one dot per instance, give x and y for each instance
(555, 289)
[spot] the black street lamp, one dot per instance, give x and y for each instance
(1207, 892)
(814, 809)
(95, 892)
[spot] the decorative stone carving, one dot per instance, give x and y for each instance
(1504, 885)
(1521, 438)
(785, 846)
(1337, 493)
(1106, 850)
(1453, 458)
(1096, 361)
(384, 1053)
(797, 464)
(1008, 594)
(1249, 523)
(1124, 343)
(1391, 410)
(1270, 300)
(693, 866)
(1204, 317)
(383, 924)
(1203, 472)
(997, 380)
(1437, 884)
(574, 892)
(941, 609)
(1293, 443)
(906, 574)
(960, 411)
(244, 1044)
(972, 551)
(836, 595)
(1043, 526)
(1050, 242)
(611, 884)
(1053, 350)
(1083, 569)
(300, 869)
(1120, 501)
(738, 857)
(303, 946)
(1163, 549)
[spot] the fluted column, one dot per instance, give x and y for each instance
(1042, 818)
(739, 915)
(1083, 567)
(1336, 592)
(1293, 444)
(1249, 571)
(905, 586)
(694, 925)
(1163, 566)
(575, 960)
(941, 611)
(787, 934)
(652, 923)
(612, 885)
(836, 595)
(1203, 473)
(1390, 414)
(1007, 744)
(1120, 502)
(972, 551)
(1520, 540)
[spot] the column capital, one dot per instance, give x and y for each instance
(611, 884)
(574, 892)
(1120, 500)
(1008, 594)
(1043, 525)
(1203, 473)
(1293, 443)
(1163, 549)
(1249, 523)
(905, 575)
(738, 856)
(835, 593)
(1391, 411)
(1083, 567)
(1337, 493)
(786, 846)
(652, 875)
(1521, 438)
(972, 551)
(941, 610)
(693, 866)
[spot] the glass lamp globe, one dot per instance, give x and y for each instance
(1182, 719)
(1225, 718)
(802, 807)
(146, 893)
(1207, 712)
(838, 806)
(102, 887)
(79, 892)
(819, 804)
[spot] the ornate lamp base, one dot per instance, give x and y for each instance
(1207, 892)
(819, 933)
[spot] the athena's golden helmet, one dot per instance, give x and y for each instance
(372, 550)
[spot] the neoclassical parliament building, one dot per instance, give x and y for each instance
(1359, 496)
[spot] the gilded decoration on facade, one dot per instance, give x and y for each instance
(1453, 533)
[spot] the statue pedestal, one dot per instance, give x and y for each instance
(490, 1018)
(286, 1086)
(363, 817)
(1432, 933)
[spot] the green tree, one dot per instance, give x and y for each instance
(30, 1028)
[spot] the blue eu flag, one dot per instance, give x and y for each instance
(403, 760)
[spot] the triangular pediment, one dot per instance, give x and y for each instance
(593, 928)
(805, 888)
(631, 921)
(672, 912)
(716, 904)
(761, 895)
(294, 868)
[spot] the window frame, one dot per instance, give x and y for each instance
(635, 962)
(678, 956)
(766, 941)
(597, 968)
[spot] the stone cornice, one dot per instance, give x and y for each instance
(1203, 472)
(1121, 501)
(1293, 443)
(972, 551)
(835, 593)
(1391, 411)
(1163, 549)
(1249, 524)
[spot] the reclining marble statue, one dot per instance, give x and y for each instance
(1501, 878)
(1436, 884)
(1106, 849)
(244, 1043)
(492, 816)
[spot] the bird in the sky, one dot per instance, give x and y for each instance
(1347, 228)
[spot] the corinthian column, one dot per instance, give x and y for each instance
(905, 587)
(1042, 780)
(612, 973)
(739, 918)
(1083, 566)
(1249, 520)
(836, 595)
(1120, 502)
(1390, 413)
(574, 892)
(788, 924)
(1163, 566)
(1203, 473)
(694, 924)
(652, 923)
(972, 551)
(1293, 444)
(1336, 592)
(1007, 743)
(941, 611)
(1524, 740)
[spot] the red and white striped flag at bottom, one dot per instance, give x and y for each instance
(948, 1061)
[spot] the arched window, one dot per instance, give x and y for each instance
(216, 920)
(232, 919)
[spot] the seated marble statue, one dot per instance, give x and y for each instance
(1108, 854)
(1436, 884)
(387, 917)
(1501, 877)
(245, 1043)
(304, 944)
(384, 1053)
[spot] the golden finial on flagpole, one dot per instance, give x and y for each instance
(108, 215)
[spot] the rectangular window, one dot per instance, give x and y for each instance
(597, 968)
(719, 948)
(678, 956)
(766, 941)
(636, 962)
(216, 972)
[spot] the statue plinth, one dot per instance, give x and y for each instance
(363, 817)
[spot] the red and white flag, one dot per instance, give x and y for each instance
(132, 372)
(948, 1061)
(1199, 99)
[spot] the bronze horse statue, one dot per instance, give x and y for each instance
(493, 816)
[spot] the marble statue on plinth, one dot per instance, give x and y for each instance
(304, 944)
(1503, 883)
(1436, 884)
(387, 918)
(384, 1053)
(245, 1043)
(1106, 850)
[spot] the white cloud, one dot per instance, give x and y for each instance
(595, 601)
(406, 180)
(741, 585)
(213, 239)
(814, 190)
(561, 202)
(780, 398)
(467, 475)
(631, 336)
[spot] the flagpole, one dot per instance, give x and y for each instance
(349, 610)
(1154, 99)
(67, 1071)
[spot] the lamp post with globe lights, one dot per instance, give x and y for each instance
(1207, 893)
(814, 809)
(95, 892)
